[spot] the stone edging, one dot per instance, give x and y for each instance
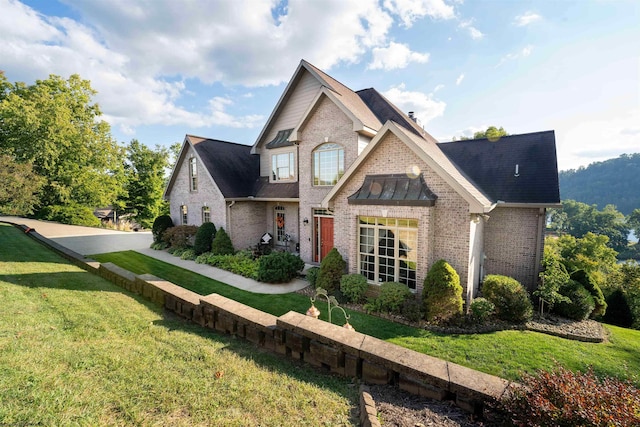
(302, 338)
(368, 411)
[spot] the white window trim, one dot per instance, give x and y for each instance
(193, 174)
(338, 147)
(289, 151)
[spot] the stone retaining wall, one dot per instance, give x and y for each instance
(303, 338)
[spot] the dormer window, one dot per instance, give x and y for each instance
(283, 167)
(328, 164)
(193, 174)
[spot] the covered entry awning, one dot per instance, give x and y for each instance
(281, 139)
(394, 190)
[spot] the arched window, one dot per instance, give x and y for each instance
(279, 224)
(328, 164)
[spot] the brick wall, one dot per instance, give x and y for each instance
(511, 241)
(247, 223)
(207, 194)
(327, 121)
(443, 229)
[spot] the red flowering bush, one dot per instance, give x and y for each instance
(566, 398)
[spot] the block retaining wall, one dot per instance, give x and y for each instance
(302, 338)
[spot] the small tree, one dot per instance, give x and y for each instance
(160, 225)
(204, 238)
(331, 271)
(222, 243)
(553, 276)
(442, 293)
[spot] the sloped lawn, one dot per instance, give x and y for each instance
(78, 350)
(506, 353)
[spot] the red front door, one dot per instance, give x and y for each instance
(326, 236)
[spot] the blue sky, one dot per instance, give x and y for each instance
(166, 68)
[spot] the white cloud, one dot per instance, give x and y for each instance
(425, 107)
(459, 79)
(410, 11)
(526, 19)
(218, 116)
(473, 31)
(396, 55)
(437, 88)
(522, 53)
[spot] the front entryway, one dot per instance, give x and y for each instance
(323, 234)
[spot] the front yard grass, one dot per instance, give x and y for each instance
(77, 350)
(506, 353)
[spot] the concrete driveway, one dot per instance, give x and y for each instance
(87, 240)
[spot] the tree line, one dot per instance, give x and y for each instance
(58, 159)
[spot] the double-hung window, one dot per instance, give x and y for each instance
(184, 215)
(193, 174)
(206, 214)
(283, 167)
(328, 164)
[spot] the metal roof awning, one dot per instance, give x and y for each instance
(281, 139)
(393, 189)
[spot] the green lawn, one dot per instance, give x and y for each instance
(78, 350)
(506, 354)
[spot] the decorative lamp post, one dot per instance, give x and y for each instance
(332, 304)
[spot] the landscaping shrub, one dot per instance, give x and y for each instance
(510, 298)
(442, 293)
(221, 244)
(481, 309)
(188, 254)
(158, 246)
(180, 236)
(618, 311)
(391, 299)
(565, 398)
(70, 214)
(160, 224)
(412, 310)
(239, 263)
(279, 267)
(204, 238)
(331, 271)
(354, 286)
(312, 276)
(590, 285)
(581, 302)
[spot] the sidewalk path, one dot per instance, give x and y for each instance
(90, 241)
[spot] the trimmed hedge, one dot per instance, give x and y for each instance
(510, 298)
(581, 303)
(331, 271)
(354, 286)
(392, 297)
(442, 293)
(279, 267)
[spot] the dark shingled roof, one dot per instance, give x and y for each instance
(264, 189)
(491, 166)
(393, 189)
(231, 165)
(385, 110)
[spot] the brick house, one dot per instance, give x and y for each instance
(344, 169)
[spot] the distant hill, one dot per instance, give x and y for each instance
(611, 182)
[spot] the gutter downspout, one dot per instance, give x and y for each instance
(228, 221)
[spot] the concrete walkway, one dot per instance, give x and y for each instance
(90, 241)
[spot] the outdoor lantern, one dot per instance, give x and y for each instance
(313, 312)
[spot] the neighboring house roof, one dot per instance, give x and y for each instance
(431, 154)
(491, 165)
(393, 190)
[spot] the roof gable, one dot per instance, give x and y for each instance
(429, 152)
(231, 166)
(515, 169)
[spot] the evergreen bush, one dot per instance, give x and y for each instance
(586, 280)
(279, 267)
(354, 286)
(391, 299)
(221, 244)
(160, 224)
(312, 276)
(510, 298)
(442, 293)
(618, 311)
(581, 302)
(331, 271)
(204, 238)
(412, 310)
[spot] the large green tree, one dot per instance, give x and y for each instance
(54, 125)
(578, 219)
(19, 187)
(145, 182)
